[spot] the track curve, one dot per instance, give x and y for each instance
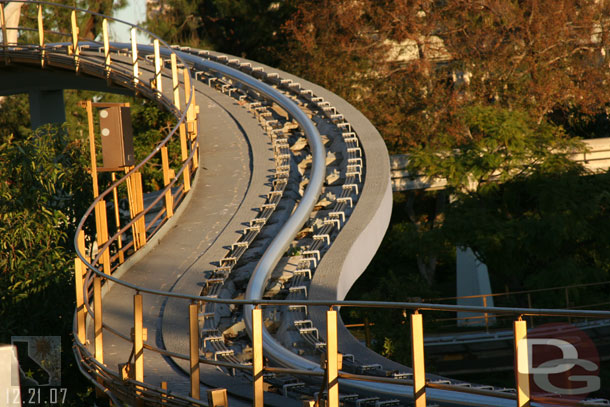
(338, 239)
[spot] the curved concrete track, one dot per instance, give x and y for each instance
(288, 203)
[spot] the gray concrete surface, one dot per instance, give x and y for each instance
(235, 162)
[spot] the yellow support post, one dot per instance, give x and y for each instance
(138, 342)
(136, 206)
(98, 348)
(80, 242)
(75, 32)
(175, 81)
(117, 219)
(79, 268)
(158, 77)
(134, 56)
(169, 199)
(522, 362)
(101, 224)
(97, 318)
(184, 129)
(141, 223)
(89, 107)
(107, 60)
(187, 85)
(191, 114)
(419, 369)
(4, 34)
(194, 350)
(132, 206)
(257, 357)
(184, 151)
(164, 394)
(41, 36)
(332, 359)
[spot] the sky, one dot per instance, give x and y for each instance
(134, 12)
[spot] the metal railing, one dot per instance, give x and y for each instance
(91, 273)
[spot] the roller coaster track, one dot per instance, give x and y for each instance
(273, 207)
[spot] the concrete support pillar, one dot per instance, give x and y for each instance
(472, 279)
(46, 106)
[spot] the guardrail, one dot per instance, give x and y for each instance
(92, 272)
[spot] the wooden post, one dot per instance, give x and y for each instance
(169, 199)
(134, 56)
(97, 318)
(194, 350)
(89, 107)
(101, 224)
(4, 34)
(191, 118)
(79, 268)
(41, 36)
(136, 206)
(419, 368)
(80, 242)
(158, 79)
(257, 356)
(184, 150)
(75, 32)
(187, 85)
(175, 81)
(522, 363)
(140, 208)
(184, 130)
(164, 394)
(332, 376)
(138, 342)
(117, 219)
(98, 334)
(107, 60)
(132, 206)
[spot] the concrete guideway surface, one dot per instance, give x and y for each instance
(231, 183)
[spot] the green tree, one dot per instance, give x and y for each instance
(248, 28)
(41, 198)
(545, 229)
(496, 145)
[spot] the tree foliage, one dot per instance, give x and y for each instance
(497, 145)
(413, 67)
(40, 201)
(249, 28)
(546, 229)
(57, 19)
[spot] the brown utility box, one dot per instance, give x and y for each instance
(117, 137)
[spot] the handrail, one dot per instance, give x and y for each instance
(317, 176)
(181, 119)
(509, 293)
